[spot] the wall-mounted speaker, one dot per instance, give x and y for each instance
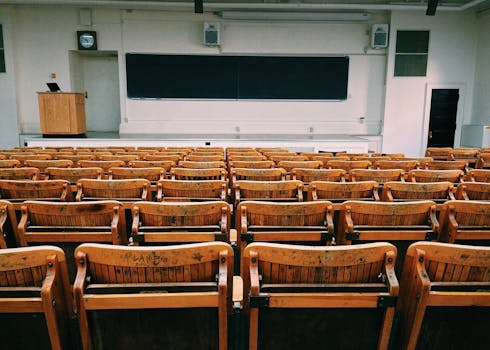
(379, 36)
(211, 34)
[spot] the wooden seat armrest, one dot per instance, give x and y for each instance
(159, 192)
(80, 280)
(314, 194)
(79, 195)
(233, 236)
(237, 291)
(300, 193)
(243, 220)
(376, 194)
(144, 193)
(115, 225)
(391, 279)
(224, 193)
(254, 274)
(136, 221)
(224, 220)
(237, 195)
(451, 193)
(452, 223)
(387, 195)
(433, 219)
(348, 220)
(329, 219)
(65, 196)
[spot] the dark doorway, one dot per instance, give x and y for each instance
(442, 124)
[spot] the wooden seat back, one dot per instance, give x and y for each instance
(192, 190)
(104, 164)
(43, 164)
(25, 173)
(201, 165)
(341, 191)
(380, 221)
(465, 221)
(35, 299)
(75, 158)
(259, 164)
(9, 163)
(166, 279)
(326, 285)
(150, 174)
(289, 190)
(8, 225)
(289, 165)
(174, 157)
(309, 175)
(405, 165)
(23, 157)
(447, 165)
(483, 161)
(124, 157)
(165, 164)
(348, 164)
(284, 222)
(101, 221)
(444, 297)
(439, 153)
(21, 190)
(479, 191)
(276, 174)
(171, 222)
(420, 175)
(205, 157)
(123, 190)
(72, 175)
(379, 175)
(291, 158)
(246, 158)
(478, 175)
(394, 191)
(198, 174)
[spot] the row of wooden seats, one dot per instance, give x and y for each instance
(137, 297)
(131, 190)
(477, 157)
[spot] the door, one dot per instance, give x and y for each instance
(443, 112)
(97, 75)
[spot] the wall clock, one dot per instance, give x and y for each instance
(87, 40)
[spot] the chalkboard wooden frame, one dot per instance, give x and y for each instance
(157, 76)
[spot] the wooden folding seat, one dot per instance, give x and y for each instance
(43, 164)
(23, 157)
(96, 153)
(313, 297)
(310, 175)
(26, 173)
(447, 165)
(77, 157)
(104, 164)
(175, 297)
(192, 190)
(354, 155)
(124, 157)
(473, 191)
(2, 156)
(48, 222)
(478, 175)
(8, 225)
(201, 165)
(295, 158)
(311, 155)
(259, 164)
(174, 222)
(127, 190)
(151, 174)
(395, 191)
(165, 164)
(379, 175)
(140, 154)
(347, 165)
(391, 155)
(15, 153)
(465, 222)
(421, 175)
(372, 159)
(265, 150)
(198, 174)
(439, 153)
(27, 149)
(20, 190)
(308, 222)
(35, 299)
(150, 149)
(114, 149)
(210, 149)
(342, 191)
(72, 175)
(444, 297)
(468, 155)
(47, 151)
(289, 165)
(326, 159)
(279, 191)
(168, 157)
(405, 165)
(185, 149)
(483, 161)
(9, 163)
(367, 221)
(275, 174)
(62, 155)
(249, 158)
(194, 157)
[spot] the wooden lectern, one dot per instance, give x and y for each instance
(62, 113)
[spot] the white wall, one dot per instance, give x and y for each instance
(9, 129)
(171, 33)
(451, 62)
(481, 101)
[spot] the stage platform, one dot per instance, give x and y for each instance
(303, 143)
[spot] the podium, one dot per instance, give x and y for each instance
(62, 113)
